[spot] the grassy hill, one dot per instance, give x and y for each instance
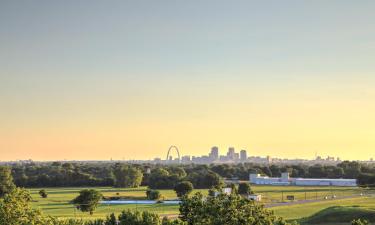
(340, 214)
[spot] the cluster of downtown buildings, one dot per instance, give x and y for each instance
(213, 157)
(242, 156)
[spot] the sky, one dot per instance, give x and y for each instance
(86, 80)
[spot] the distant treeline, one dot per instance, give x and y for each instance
(60, 174)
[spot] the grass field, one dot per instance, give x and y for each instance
(57, 203)
(340, 214)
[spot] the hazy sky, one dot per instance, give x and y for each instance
(127, 79)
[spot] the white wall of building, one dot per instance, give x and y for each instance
(286, 180)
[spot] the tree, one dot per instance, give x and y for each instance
(153, 194)
(225, 209)
(183, 188)
(15, 209)
(88, 200)
(6, 180)
(244, 189)
(162, 179)
(43, 193)
(127, 176)
(178, 171)
(205, 179)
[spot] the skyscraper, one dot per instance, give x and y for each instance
(243, 155)
(230, 153)
(214, 154)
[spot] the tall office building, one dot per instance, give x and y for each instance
(236, 156)
(214, 154)
(230, 153)
(243, 155)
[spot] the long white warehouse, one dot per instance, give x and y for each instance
(286, 180)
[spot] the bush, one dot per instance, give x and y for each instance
(43, 193)
(225, 209)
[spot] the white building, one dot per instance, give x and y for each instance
(286, 180)
(255, 197)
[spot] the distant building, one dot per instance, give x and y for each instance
(243, 155)
(185, 159)
(255, 197)
(231, 153)
(286, 180)
(226, 191)
(214, 154)
(236, 156)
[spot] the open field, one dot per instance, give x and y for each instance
(57, 203)
(293, 212)
(340, 214)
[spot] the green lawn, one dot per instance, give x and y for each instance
(293, 212)
(340, 214)
(57, 203)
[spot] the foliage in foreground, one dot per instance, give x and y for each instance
(15, 209)
(225, 209)
(6, 180)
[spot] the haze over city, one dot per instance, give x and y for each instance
(126, 80)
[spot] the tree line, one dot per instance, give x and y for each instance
(58, 174)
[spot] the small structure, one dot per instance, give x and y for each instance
(226, 191)
(255, 197)
(286, 180)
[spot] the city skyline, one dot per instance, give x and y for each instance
(94, 80)
(215, 155)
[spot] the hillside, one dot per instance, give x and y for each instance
(340, 214)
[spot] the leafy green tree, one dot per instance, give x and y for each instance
(244, 189)
(153, 194)
(178, 171)
(225, 209)
(43, 193)
(127, 176)
(88, 200)
(15, 209)
(162, 179)
(183, 188)
(205, 179)
(6, 180)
